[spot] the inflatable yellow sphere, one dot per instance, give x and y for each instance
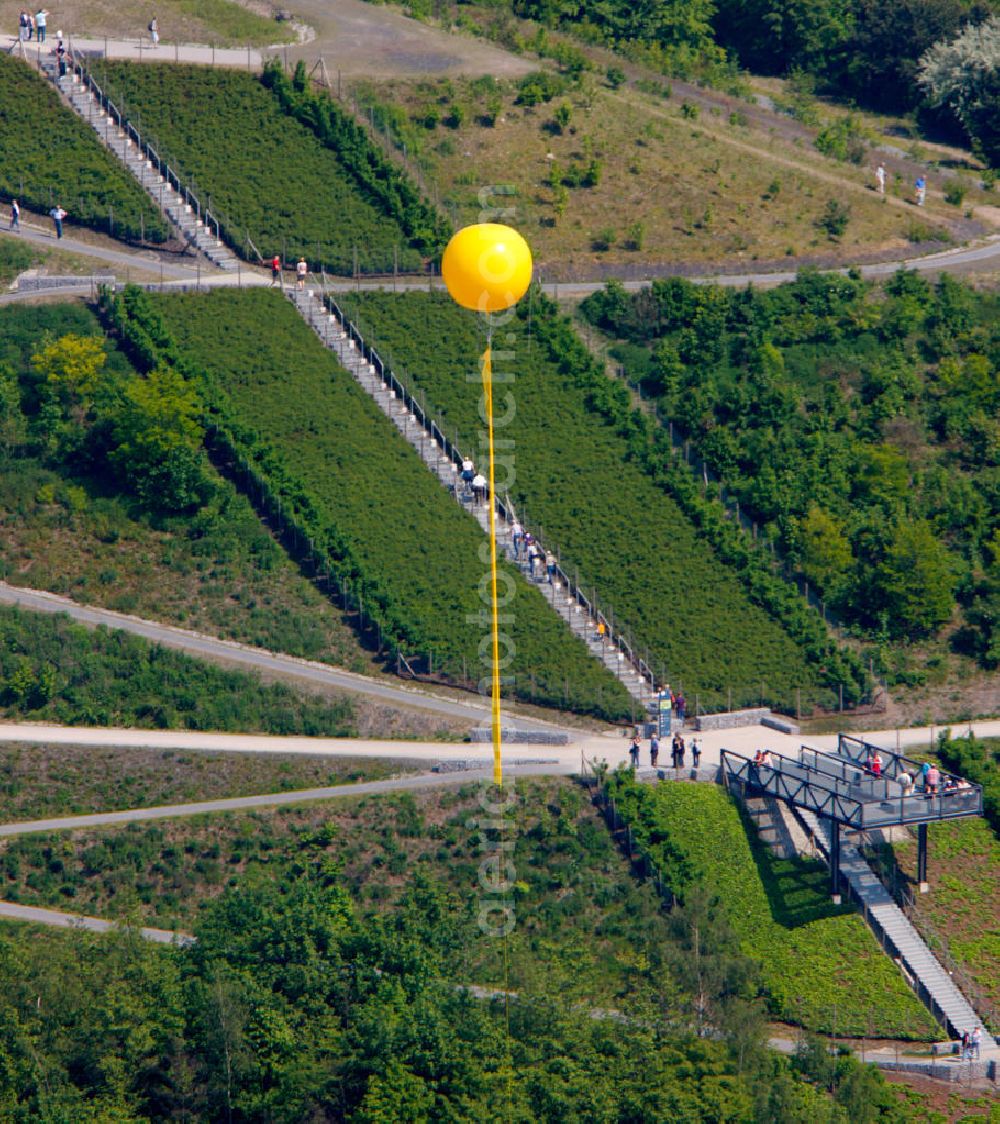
(487, 267)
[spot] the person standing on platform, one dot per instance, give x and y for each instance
(695, 753)
(301, 269)
(276, 270)
(154, 32)
(41, 23)
(654, 750)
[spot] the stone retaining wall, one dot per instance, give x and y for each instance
(731, 719)
(523, 737)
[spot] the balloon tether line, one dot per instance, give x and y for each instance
(488, 396)
(497, 759)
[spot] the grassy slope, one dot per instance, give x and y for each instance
(701, 190)
(373, 487)
(267, 175)
(220, 572)
(584, 928)
(823, 967)
(61, 780)
(48, 155)
(628, 539)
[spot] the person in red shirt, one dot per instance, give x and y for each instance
(276, 270)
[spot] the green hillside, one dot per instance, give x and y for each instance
(54, 671)
(821, 965)
(72, 525)
(855, 423)
(363, 498)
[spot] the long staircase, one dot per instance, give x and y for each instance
(443, 459)
(196, 225)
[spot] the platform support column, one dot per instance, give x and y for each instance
(835, 861)
(922, 883)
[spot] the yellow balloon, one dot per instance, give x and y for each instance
(487, 267)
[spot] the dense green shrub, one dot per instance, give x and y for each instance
(855, 424)
(48, 156)
(53, 670)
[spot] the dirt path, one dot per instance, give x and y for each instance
(364, 40)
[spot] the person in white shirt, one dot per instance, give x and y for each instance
(479, 487)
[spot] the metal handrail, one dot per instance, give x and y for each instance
(831, 796)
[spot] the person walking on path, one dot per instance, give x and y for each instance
(15, 215)
(977, 1041)
(23, 26)
(154, 32)
(301, 269)
(276, 270)
(61, 58)
(695, 753)
(654, 750)
(41, 23)
(920, 190)
(880, 179)
(58, 214)
(550, 566)
(633, 752)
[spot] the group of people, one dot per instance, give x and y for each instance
(29, 26)
(919, 186)
(57, 214)
(301, 272)
(677, 751)
(475, 484)
(972, 1043)
(930, 780)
